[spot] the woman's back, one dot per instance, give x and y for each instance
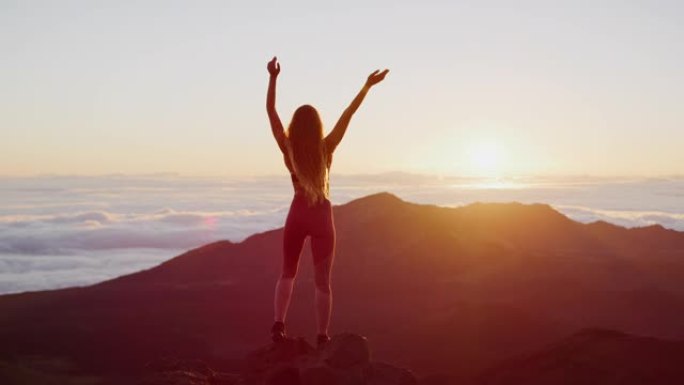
(327, 162)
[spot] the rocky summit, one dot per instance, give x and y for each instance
(345, 360)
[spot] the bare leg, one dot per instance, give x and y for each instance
(293, 242)
(283, 294)
(323, 294)
(323, 310)
(323, 250)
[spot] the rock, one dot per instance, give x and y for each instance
(275, 361)
(380, 373)
(351, 376)
(319, 375)
(225, 379)
(346, 350)
(175, 378)
(169, 371)
(171, 365)
(284, 375)
(345, 360)
(440, 379)
(291, 350)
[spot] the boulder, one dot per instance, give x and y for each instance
(380, 373)
(169, 371)
(282, 375)
(276, 360)
(319, 375)
(345, 360)
(346, 350)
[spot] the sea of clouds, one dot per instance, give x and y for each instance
(59, 231)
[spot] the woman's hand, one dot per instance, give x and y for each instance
(273, 67)
(376, 77)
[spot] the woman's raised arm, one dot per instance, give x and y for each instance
(276, 125)
(335, 136)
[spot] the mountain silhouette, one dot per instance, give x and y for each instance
(434, 289)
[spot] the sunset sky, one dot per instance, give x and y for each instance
(476, 88)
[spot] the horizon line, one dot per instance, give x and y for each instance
(379, 173)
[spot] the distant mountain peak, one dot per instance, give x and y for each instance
(539, 207)
(382, 197)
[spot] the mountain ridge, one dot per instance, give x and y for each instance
(485, 282)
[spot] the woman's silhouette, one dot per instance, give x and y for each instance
(308, 156)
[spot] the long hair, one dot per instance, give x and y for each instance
(307, 152)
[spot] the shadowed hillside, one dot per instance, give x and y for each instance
(596, 357)
(451, 290)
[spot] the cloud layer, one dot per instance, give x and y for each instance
(64, 231)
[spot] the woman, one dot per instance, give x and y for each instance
(308, 156)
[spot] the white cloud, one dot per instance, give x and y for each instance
(63, 231)
(627, 218)
(162, 229)
(23, 272)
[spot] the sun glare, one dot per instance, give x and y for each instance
(486, 159)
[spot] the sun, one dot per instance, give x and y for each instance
(486, 159)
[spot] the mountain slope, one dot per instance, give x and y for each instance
(483, 282)
(596, 357)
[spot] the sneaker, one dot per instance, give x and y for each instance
(322, 340)
(278, 331)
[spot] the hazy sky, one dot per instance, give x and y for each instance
(481, 87)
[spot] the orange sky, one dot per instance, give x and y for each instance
(474, 89)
